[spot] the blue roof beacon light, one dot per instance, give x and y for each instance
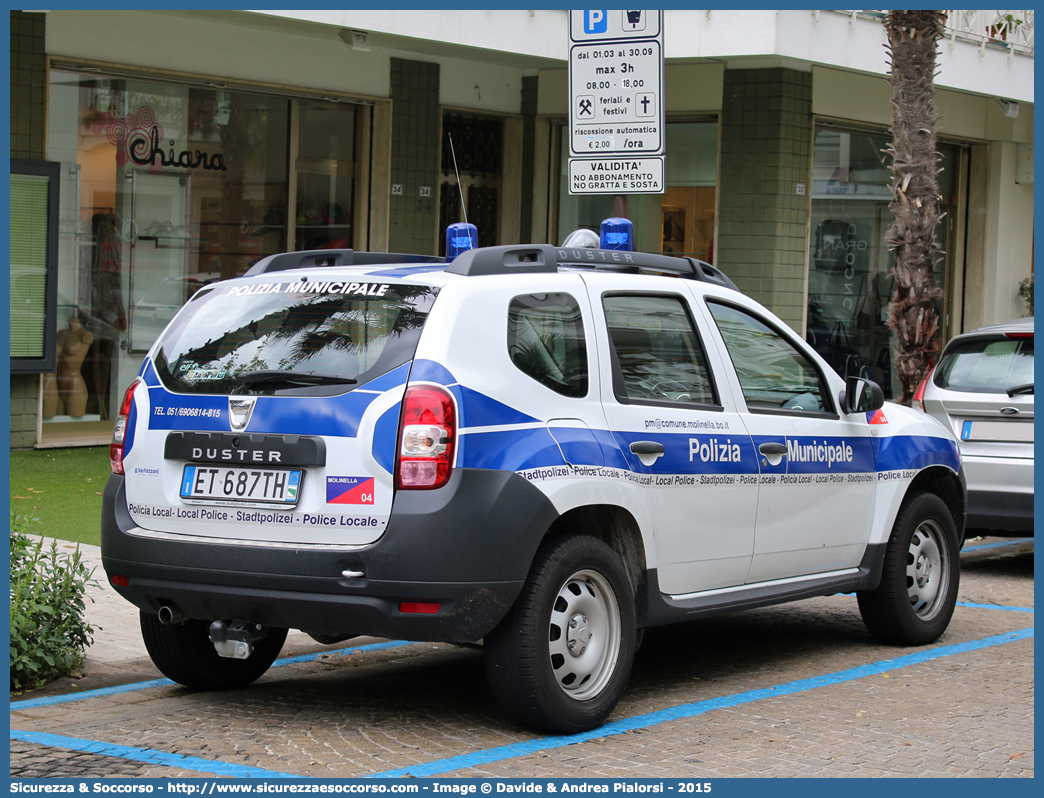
(460, 237)
(617, 233)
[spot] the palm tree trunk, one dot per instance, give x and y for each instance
(912, 37)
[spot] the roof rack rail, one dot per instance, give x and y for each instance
(546, 258)
(638, 262)
(510, 259)
(312, 258)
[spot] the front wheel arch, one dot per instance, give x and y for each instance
(949, 487)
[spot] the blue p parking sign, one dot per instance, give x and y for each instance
(595, 21)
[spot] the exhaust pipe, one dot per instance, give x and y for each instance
(169, 614)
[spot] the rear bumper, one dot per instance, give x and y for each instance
(467, 547)
(999, 474)
(1000, 513)
(1000, 494)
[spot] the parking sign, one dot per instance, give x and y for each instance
(616, 106)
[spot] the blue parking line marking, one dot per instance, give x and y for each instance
(193, 763)
(612, 728)
(998, 545)
(993, 607)
(127, 688)
(513, 750)
(350, 650)
(29, 703)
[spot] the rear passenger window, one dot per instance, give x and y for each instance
(658, 356)
(546, 341)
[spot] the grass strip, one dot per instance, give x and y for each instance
(62, 488)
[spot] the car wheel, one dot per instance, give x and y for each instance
(918, 592)
(184, 654)
(560, 659)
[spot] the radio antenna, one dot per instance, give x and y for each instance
(460, 188)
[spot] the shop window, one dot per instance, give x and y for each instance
(34, 257)
(163, 189)
(477, 144)
(850, 267)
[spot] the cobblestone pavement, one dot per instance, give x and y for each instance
(357, 713)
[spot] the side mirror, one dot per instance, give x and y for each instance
(861, 396)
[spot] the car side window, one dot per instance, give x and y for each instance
(546, 341)
(773, 373)
(658, 356)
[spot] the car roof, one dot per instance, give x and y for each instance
(1015, 326)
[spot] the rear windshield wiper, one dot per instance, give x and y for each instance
(266, 376)
(1019, 389)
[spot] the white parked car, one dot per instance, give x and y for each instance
(545, 448)
(982, 389)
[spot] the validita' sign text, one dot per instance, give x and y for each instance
(185, 159)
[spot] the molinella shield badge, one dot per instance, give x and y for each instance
(240, 410)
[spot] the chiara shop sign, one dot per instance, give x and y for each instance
(146, 153)
(139, 139)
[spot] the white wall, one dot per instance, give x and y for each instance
(531, 34)
(182, 44)
(289, 53)
(827, 38)
(489, 88)
(1009, 237)
(866, 98)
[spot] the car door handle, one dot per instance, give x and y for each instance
(773, 448)
(646, 447)
(648, 452)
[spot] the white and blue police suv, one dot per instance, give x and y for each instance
(544, 448)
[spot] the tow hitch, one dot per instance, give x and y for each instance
(236, 639)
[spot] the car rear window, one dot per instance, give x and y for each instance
(993, 365)
(269, 335)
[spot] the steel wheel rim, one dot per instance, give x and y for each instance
(927, 570)
(584, 635)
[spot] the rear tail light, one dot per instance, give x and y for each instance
(1019, 335)
(419, 607)
(426, 439)
(119, 431)
(918, 397)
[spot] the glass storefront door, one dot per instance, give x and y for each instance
(850, 269)
(325, 171)
(472, 164)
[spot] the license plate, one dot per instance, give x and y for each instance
(253, 485)
(1008, 431)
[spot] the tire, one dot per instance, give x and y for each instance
(559, 661)
(184, 654)
(918, 592)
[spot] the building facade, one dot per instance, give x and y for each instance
(166, 150)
